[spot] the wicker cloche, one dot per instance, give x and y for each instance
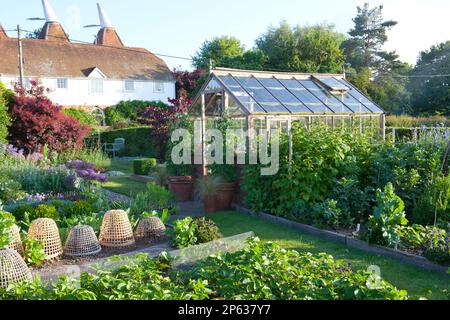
(12, 268)
(116, 231)
(46, 231)
(16, 243)
(82, 242)
(150, 229)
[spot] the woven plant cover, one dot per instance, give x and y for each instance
(46, 231)
(150, 229)
(116, 231)
(16, 243)
(82, 242)
(12, 268)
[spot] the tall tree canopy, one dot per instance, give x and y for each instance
(216, 50)
(375, 71)
(304, 49)
(431, 95)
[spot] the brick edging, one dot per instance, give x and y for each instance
(351, 242)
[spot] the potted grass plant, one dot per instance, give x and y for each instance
(208, 189)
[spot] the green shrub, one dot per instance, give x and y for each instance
(138, 142)
(189, 232)
(5, 104)
(144, 166)
(94, 220)
(128, 110)
(34, 253)
(82, 116)
(433, 204)
(183, 233)
(10, 190)
(45, 211)
(6, 223)
(353, 201)
(80, 208)
(321, 156)
(20, 211)
(155, 198)
(327, 214)
(206, 230)
(384, 227)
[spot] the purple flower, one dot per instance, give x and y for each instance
(80, 165)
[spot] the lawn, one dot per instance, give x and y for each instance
(415, 280)
(124, 185)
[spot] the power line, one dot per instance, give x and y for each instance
(190, 59)
(113, 47)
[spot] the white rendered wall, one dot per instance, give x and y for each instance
(78, 92)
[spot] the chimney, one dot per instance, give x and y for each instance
(107, 36)
(3, 34)
(52, 30)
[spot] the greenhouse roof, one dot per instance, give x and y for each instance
(259, 92)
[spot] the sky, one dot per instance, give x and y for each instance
(179, 27)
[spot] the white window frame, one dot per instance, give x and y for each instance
(158, 87)
(64, 81)
(96, 86)
(128, 89)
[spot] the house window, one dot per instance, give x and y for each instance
(62, 83)
(96, 86)
(129, 86)
(159, 87)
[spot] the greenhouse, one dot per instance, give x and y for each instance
(267, 100)
(275, 100)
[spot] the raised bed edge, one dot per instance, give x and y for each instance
(402, 256)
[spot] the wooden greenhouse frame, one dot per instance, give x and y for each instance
(270, 100)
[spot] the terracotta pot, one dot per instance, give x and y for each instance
(209, 202)
(181, 187)
(225, 196)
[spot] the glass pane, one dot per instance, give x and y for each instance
(283, 95)
(361, 98)
(244, 98)
(233, 109)
(332, 83)
(352, 103)
(326, 97)
(304, 96)
(261, 95)
(213, 85)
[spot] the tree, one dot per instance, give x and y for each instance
(251, 60)
(278, 44)
(217, 49)
(303, 49)
(37, 122)
(189, 83)
(364, 48)
(431, 95)
(34, 34)
(376, 72)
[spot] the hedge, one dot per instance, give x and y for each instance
(138, 142)
(143, 166)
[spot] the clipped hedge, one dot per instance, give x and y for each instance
(143, 166)
(138, 142)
